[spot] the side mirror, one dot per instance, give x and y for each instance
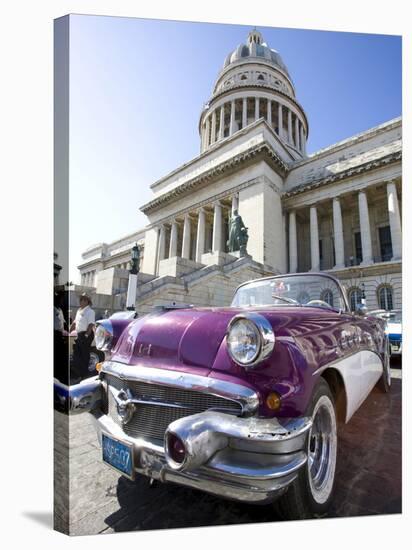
(361, 310)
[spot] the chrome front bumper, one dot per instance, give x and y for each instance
(248, 465)
(246, 459)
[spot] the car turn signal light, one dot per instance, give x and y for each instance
(273, 401)
(98, 366)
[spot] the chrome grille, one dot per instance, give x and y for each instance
(151, 420)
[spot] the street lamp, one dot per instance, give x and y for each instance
(132, 286)
(363, 295)
(135, 254)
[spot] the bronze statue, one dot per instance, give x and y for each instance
(238, 235)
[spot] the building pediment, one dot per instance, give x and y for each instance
(261, 151)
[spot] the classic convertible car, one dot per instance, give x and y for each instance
(242, 401)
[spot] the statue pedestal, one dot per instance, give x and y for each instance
(240, 254)
(131, 291)
(176, 267)
(217, 258)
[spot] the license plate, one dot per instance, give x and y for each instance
(118, 455)
(394, 347)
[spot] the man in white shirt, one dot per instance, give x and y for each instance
(84, 325)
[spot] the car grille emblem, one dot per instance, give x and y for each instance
(124, 404)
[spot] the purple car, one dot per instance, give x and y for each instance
(241, 401)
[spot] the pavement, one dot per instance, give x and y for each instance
(368, 479)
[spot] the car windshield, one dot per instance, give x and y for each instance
(291, 290)
(395, 317)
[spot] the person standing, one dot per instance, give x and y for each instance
(84, 325)
(60, 351)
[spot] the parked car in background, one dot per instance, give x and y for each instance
(394, 331)
(244, 401)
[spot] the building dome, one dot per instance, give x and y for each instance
(254, 84)
(255, 48)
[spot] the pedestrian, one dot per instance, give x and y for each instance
(60, 351)
(84, 326)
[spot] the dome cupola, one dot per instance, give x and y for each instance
(254, 83)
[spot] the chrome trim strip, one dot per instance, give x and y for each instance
(246, 397)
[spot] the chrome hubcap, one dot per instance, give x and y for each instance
(322, 446)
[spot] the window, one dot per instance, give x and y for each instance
(355, 298)
(358, 248)
(327, 296)
(261, 77)
(385, 243)
(243, 77)
(385, 297)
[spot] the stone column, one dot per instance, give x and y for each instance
(173, 240)
(232, 118)
(186, 238)
(338, 234)
(365, 229)
(394, 220)
(162, 243)
(290, 139)
(200, 241)
(280, 120)
(304, 142)
(314, 239)
(244, 112)
(269, 113)
(207, 132)
(256, 108)
(302, 139)
(297, 144)
(217, 228)
(293, 245)
(213, 136)
(222, 122)
(202, 138)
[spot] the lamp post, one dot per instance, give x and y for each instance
(363, 295)
(133, 271)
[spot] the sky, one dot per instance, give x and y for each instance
(137, 88)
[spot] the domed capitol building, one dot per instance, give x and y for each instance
(336, 210)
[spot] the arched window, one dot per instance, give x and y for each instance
(327, 296)
(261, 77)
(303, 297)
(243, 77)
(385, 297)
(355, 297)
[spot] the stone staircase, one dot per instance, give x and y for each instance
(211, 285)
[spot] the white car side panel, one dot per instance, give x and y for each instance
(360, 372)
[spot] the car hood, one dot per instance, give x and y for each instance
(192, 337)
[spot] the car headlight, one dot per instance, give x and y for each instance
(104, 335)
(250, 339)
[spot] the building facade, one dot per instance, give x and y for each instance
(337, 210)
